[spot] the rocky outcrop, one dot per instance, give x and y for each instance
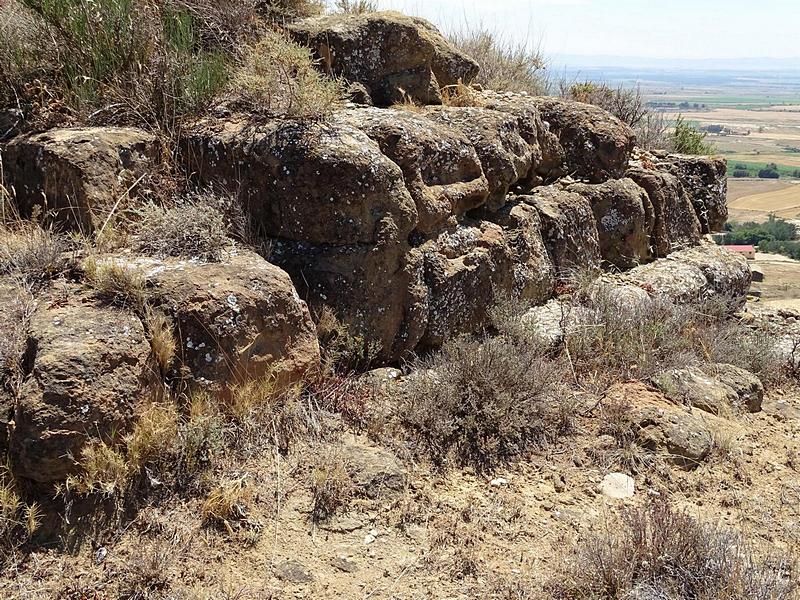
(569, 229)
(624, 218)
(675, 224)
(597, 145)
(696, 274)
(234, 320)
(91, 371)
(394, 56)
(703, 178)
(509, 157)
(76, 176)
(441, 169)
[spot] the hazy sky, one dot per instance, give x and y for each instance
(647, 28)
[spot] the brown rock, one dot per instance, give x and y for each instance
(624, 218)
(441, 169)
(705, 181)
(92, 370)
(675, 223)
(748, 388)
(234, 320)
(77, 175)
(569, 229)
(693, 387)
(596, 144)
(375, 472)
(394, 56)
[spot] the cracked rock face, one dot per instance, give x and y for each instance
(91, 370)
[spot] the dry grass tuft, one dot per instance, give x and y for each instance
(277, 77)
(460, 95)
(506, 65)
(355, 7)
(162, 339)
(193, 228)
(342, 351)
(331, 486)
(657, 551)
(116, 283)
(227, 503)
(18, 521)
(288, 10)
(31, 252)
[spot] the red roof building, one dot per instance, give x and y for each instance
(749, 252)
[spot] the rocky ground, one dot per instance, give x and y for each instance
(189, 404)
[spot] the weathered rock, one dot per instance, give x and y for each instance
(748, 388)
(234, 320)
(618, 486)
(507, 157)
(441, 169)
(313, 183)
(479, 259)
(569, 229)
(344, 564)
(596, 144)
(704, 179)
(693, 387)
(675, 223)
(375, 472)
(293, 571)
(77, 175)
(696, 274)
(92, 371)
(550, 166)
(624, 218)
(554, 320)
(394, 56)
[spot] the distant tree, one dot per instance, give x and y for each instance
(738, 173)
(769, 172)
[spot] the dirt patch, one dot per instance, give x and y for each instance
(755, 200)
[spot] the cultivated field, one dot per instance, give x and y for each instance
(756, 199)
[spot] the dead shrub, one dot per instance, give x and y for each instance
(161, 336)
(480, 402)
(331, 486)
(288, 10)
(277, 77)
(355, 7)
(657, 551)
(342, 351)
(506, 65)
(195, 227)
(31, 252)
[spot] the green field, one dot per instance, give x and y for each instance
(754, 167)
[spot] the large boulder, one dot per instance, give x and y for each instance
(696, 274)
(597, 145)
(441, 168)
(624, 218)
(234, 320)
(507, 153)
(676, 225)
(705, 181)
(91, 371)
(77, 176)
(693, 387)
(569, 229)
(314, 183)
(395, 57)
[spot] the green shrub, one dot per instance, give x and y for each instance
(688, 140)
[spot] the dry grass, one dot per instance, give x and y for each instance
(660, 552)
(288, 10)
(506, 65)
(116, 283)
(483, 402)
(460, 95)
(343, 352)
(195, 227)
(18, 521)
(331, 486)
(278, 78)
(16, 310)
(162, 338)
(227, 503)
(355, 7)
(31, 252)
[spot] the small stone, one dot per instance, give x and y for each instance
(498, 482)
(617, 486)
(344, 564)
(294, 572)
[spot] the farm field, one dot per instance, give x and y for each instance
(756, 199)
